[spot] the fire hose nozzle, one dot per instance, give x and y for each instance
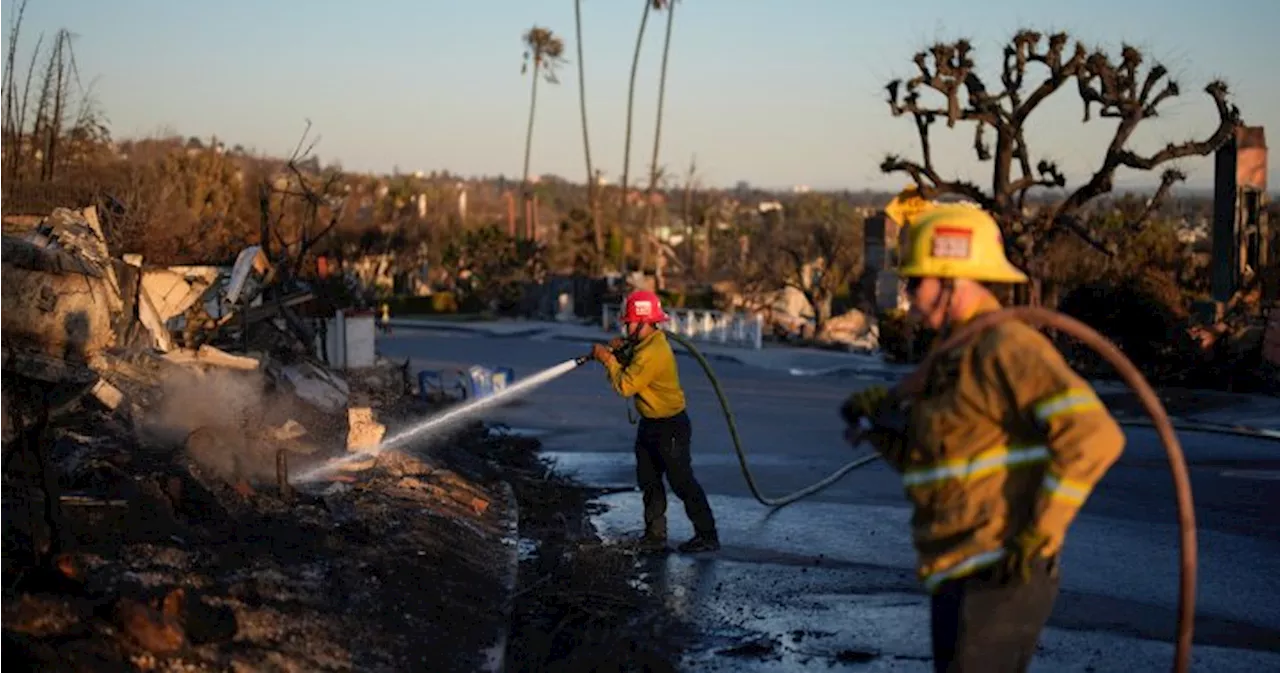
(619, 352)
(890, 416)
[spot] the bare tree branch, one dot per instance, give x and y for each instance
(1168, 179)
(931, 184)
(1137, 109)
(1120, 89)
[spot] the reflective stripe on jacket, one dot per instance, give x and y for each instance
(1006, 435)
(651, 377)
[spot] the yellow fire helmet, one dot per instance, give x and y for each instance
(955, 241)
(907, 205)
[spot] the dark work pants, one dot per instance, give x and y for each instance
(663, 448)
(984, 623)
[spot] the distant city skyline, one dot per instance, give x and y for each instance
(774, 94)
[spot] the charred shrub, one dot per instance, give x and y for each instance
(1133, 314)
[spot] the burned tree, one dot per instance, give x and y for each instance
(296, 212)
(316, 204)
(1121, 89)
(816, 251)
(55, 125)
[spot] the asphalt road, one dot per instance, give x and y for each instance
(828, 582)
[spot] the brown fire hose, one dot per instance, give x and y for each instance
(1040, 317)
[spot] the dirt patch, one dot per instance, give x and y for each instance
(170, 567)
(580, 607)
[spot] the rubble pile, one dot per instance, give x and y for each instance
(153, 419)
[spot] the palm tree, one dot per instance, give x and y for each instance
(547, 53)
(586, 141)
(657, 130)
(631, 95)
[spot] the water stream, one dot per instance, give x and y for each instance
(437, 424)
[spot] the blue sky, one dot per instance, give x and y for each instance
(775, 93)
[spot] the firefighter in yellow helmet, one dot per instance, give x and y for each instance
(997, 454)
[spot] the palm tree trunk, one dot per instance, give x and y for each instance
(657, 132)
(528, 148)
(686, 215)
(631, 95)
(586, 143)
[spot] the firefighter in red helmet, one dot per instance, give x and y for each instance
(663, 437)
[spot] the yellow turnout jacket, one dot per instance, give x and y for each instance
(1006, 435)
(651, 377)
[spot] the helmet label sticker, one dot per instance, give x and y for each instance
(643, 308)
(951, 243)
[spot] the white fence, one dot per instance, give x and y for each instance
(713, 327)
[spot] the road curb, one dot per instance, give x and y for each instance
(497, 661)
(403, 323)
(406, 323)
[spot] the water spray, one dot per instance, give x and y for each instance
(468, 410)
(445, 421)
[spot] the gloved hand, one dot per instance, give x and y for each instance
(863, 404)
(1022, 552)
(616, 343)
(601, 352)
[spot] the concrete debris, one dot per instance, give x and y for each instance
(383, 383)
(117, 335)
(54, 304)
(364, 433)
(214, 357)
(854, 331)
(150, 318)
(109, 395)
(172, 397)
(317, 386)
(290, 430)
(172, 292)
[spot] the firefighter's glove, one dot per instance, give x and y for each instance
(863, 404)
(616, 343)
(601, 353)
(1022, 553)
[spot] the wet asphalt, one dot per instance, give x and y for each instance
(828, 583)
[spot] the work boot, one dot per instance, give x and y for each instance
(652, 544)
(701, 543)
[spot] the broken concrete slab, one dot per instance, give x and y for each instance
(109, 395)
(80, 233)
(317, 386)
(364, 434)
(172, 292)
(150, 318)
(213, 357)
